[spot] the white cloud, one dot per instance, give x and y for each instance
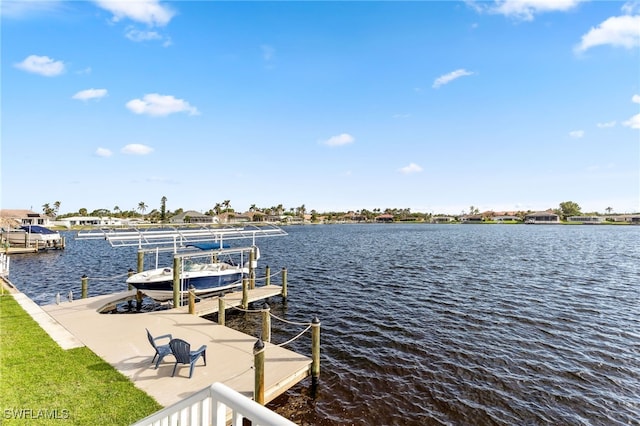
(635, 99)
(576, 134)
(524, 9)
(160, 105)
(447, 78)
(631, 7)
(268, 52)
(42, 65)
(607, 124)
(411, 168)
(149, 12)
(137, 35)
(136, 149)
(633, 122)
(103, 152)
(26, 8)
(618, 31)
(85, 95)
(339, 140)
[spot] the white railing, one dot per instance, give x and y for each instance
(4, 265)
(209, 407)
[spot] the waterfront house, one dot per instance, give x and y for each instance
(192, 216)
(585, 219)
(545, 217)
(23, 217)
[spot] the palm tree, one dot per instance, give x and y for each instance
(163, 209)
(142, 207)
(56, 207)
(609, 209)
(46, 209)
(253, 208)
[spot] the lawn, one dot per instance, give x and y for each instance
(40, 383)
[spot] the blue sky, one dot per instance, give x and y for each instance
(337, 106)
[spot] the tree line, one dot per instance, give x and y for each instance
(162, 214)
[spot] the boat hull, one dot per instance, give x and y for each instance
(205, 280)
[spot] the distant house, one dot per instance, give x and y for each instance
(443, 219)
(542, 218)
(90, 221)
(586, 219)
(192, 216)
(473, 218)
(384, 218)
(23, 217)
(507, 218)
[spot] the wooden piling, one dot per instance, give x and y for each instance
(284, 283)
(266, 323)
(192, 300)
(85, 286)
(129, 274)
(176, 282)
(221, 310)
(140, 261)
(245, 293)
(267, 275)
(315, 349)
(258, 365)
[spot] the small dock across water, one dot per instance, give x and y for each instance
(120, 339)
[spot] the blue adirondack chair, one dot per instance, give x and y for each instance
(161, 350)
(184, 355)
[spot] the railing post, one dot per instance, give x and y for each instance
(176, 282)
(245, 293)
(192, 300)
(221, 310)
(258, 365)
(267, 278)
(140, 261)
(284, 283)
(315, 349)
(266, 323)
(85, 286)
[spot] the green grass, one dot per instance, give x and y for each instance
(50, 386)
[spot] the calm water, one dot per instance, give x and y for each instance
(435, 324)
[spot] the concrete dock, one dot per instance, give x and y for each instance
(121, 340)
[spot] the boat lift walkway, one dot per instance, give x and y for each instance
(121, 340)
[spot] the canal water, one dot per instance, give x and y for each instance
(434, 324)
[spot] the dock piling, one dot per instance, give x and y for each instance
(85, 286)
(192, 300)
(140, 261)
(176, 282)
(245, 293)
(266, 323)
(315, 349)
(258, 364)
(267, 275)
(284, 283)
(221, 310)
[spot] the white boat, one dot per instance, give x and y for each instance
(212, 277)
(32, 235)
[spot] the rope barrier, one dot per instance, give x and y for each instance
(291, 340)
(289, 322)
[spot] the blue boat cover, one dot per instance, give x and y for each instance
(36, 229)
(208, 246)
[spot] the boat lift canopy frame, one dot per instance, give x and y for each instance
(174, 239)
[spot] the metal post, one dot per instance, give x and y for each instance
(258, 364)
(252, 269)
(85, 285)
(221, 310)
(284, 283)
(315, 349)
(245, 293)
(266, 323)
(176, 282)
